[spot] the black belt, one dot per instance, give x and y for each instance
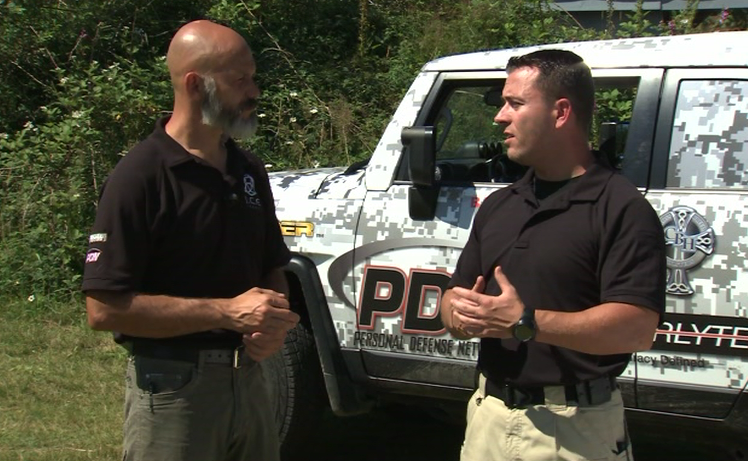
(585, 394)
(220, 354)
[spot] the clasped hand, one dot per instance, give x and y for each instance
(484, 316)
(263, 317)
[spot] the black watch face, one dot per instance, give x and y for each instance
(524, 332)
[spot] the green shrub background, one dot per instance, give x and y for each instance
(83, 81)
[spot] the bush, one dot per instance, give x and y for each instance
(51, 174)
(84, 81)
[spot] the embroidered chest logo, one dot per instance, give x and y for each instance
(250, 193)
(689, 239)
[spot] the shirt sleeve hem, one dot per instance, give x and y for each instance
(637, 300)
(106, 285)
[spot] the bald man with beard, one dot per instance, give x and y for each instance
(185, 265)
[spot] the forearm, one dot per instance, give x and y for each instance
(447, 317)
(610, 328)
(154, 316)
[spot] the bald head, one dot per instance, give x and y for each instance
(212, 70)
(202, 47)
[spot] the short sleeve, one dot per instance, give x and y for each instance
(633, 259)
(119, 239)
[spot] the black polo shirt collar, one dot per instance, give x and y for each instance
(177, 155)
(587, 188)
(173, 152)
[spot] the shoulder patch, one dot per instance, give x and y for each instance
(93, 255)
(97, 238)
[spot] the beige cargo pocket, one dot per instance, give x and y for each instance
(595, 434)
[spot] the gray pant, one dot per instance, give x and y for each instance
(178, 411)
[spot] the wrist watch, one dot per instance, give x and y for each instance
(525, 328)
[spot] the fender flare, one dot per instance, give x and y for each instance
(345, 396)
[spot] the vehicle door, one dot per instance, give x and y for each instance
(699, 186)
(402, 265)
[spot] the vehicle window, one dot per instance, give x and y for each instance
(709, 141)
(614, 106)
(468, 144)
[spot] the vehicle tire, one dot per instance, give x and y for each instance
(297, 392)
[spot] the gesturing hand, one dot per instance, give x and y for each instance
(487, 316)
(260, 310)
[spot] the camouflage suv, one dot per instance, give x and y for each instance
(374, 244)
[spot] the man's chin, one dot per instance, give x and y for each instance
(514, 156)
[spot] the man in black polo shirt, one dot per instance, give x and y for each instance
(185, 264)
(562, 278)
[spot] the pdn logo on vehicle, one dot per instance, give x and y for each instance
(387, 292)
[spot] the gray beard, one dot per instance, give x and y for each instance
(229, 121)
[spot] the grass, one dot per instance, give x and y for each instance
(61, 385)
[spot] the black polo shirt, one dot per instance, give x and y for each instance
(596, 240)
(168, 223)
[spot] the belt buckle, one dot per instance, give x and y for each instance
(238, 352)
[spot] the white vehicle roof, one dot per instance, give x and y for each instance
(697, 50)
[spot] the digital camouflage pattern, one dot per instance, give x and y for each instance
(362, 225)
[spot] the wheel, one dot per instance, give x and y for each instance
(297, 392)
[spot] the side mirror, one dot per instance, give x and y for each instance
(419, 140)
(493, 97)
(423, 194)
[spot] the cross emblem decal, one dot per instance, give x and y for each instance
(689, 239)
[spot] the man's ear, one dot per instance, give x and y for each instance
(562, 110)
(193, 85)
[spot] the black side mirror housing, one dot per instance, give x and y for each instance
(420, 142)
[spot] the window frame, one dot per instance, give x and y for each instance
(641, 130)
(442, 88)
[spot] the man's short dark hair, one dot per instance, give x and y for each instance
(562, 74)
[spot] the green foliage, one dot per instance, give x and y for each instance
(41, 38)
(636, 24)
(683, 22)
(51, 173)
(614, 104)
(297, 129)
(84, 81)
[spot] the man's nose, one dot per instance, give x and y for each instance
(501, 116)
(253, 90)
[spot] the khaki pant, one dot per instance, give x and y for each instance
(550, 432)
(178, 411)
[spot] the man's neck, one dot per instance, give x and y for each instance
(199, 139)
(560, 170)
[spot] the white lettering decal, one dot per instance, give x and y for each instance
(97, 238)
